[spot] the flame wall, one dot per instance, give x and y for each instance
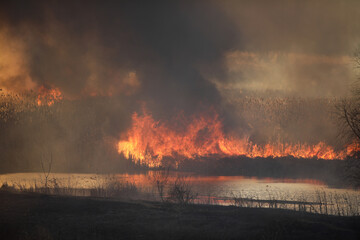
(149, 141)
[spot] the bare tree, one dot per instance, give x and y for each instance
(46, 168)
(348, 109)
(160, 180)
(349, 120)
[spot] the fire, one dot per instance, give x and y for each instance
(48, 96)
(149, 142)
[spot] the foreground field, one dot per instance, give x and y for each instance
(35, 216)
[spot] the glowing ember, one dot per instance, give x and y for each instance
(48, 96)
(149, 142)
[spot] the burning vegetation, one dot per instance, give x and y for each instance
(148, 142)
(48, 96)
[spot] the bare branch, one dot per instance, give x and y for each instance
(46, 171)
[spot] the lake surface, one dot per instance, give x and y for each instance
(208, 189)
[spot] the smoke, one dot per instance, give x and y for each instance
(178, 54)
(151, 50)
(286, 74)
(14, 72)
(301, 48)
(311, 27)
(172, 56)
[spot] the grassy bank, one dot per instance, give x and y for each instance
(37, 216)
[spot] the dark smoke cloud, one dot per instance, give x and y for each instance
(152, 50)
(165, 52)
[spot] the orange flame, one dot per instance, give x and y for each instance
(149, 142)
(48, 96)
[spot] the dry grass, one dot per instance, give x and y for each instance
(108, 187)
(327, 203)
(112, 187)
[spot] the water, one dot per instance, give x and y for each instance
(226, 190)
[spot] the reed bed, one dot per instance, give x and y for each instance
(328, 203)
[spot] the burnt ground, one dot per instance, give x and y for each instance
(35, 216)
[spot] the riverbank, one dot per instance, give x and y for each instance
(36, 216)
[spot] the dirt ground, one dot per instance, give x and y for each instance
(34, 216)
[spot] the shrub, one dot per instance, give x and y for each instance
(181, 192)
